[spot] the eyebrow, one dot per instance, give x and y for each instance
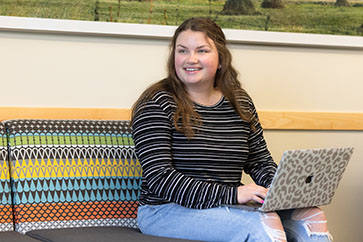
(198, 47)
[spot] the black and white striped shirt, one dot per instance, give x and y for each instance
(205, 171)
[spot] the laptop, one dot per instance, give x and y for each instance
(304, 178)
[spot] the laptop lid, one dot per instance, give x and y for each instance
(306, 178)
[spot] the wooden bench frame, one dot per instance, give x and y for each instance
(270, 120)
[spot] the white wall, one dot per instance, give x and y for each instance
(74, 71)
(66, 70)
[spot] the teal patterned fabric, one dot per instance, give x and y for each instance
(6, 214)
(73, 173)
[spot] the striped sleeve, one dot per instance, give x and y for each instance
(260, 165)
(152, 134)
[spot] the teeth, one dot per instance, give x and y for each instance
(191, 69)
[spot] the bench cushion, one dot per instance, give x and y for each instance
(12, 236)
(6, 214)
(100, 234)
(73, 173)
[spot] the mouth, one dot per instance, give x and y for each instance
(192, 69)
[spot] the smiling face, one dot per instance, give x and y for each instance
(196, 59)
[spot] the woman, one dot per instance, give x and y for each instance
(195, 132)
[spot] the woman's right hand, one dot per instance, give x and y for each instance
(251, 192)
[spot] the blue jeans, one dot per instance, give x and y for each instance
(217, 224)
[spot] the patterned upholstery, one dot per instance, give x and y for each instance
(73, 173)
(6, 214)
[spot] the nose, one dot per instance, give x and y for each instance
(192, 58)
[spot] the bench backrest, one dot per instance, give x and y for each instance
(73, 173)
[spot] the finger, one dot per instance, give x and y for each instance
(261, 193)
(258, 199)
(260, 189)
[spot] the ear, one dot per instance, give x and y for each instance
(219, 61)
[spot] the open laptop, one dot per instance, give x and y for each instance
(305, 178)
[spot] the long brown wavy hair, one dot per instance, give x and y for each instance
(226, 79)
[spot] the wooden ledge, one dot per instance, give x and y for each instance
(311, 120)
(7, 113)
(270, 120)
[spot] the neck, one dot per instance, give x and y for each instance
(207, 97)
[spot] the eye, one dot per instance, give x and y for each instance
(203, 51)
(181, 51)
